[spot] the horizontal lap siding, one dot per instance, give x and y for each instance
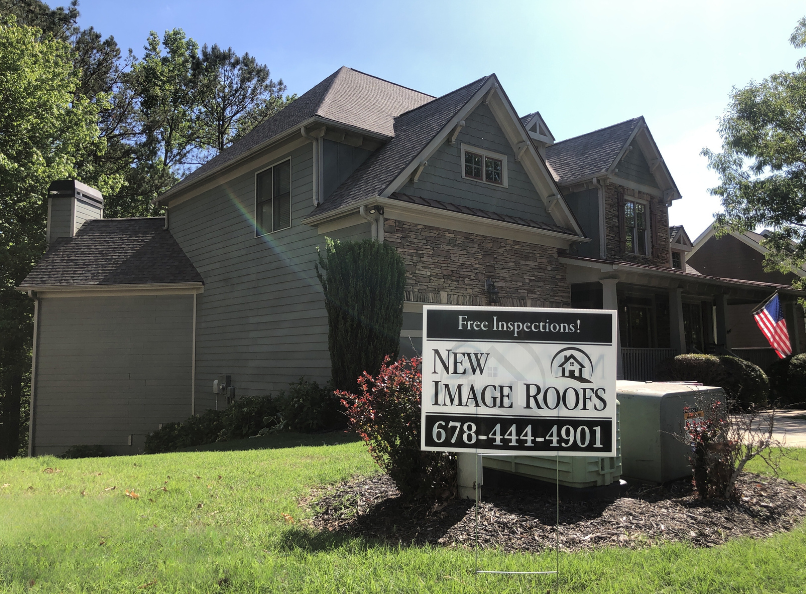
(85, 212)
(633, 167)
(442, 178)
(61, 214)
(261, 317)
(110, 367)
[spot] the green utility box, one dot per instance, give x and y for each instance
(652, 416)
(575, 471)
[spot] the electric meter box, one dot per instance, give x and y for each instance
(578, 472)
(652, 416)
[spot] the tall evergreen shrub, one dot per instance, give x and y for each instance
(363, 282)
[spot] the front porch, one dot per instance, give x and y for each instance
(664, 312)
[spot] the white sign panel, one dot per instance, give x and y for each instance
(519, 380)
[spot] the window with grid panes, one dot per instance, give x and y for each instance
(635, 227)
(273, 198)
(483, 168)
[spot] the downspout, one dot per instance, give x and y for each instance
(193, 362)
(316, 149)
(602, 232)
(32, 404)
(374, 233)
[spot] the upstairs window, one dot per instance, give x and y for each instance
(484, 166)
(635, 227)
(273, 198)
(677, 260)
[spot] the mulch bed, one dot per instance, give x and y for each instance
(522, 520)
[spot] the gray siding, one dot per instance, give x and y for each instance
(442, 177)
(84, 212)
(633, 166)
(108, 367)
(261, 317)
(585, 206)
(61, 213)
(338, 162)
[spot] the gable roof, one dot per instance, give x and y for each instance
(413, 130)
(347, 97)
(542, 133)
(585, 156)
(678, 238)
(114, 252)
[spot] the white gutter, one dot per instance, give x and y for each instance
(316, 149)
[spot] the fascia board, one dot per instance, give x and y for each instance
(438, 140)
(612, 167)
(113, 290)
(540, 176)
(679, 276)
(435, 217)
(647, 144)
(214, 173)
(702, 238)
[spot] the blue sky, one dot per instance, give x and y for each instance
(583, 64)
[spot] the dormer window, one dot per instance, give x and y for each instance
(677, 260)
(484, 166)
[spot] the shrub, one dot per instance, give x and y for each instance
(745, 384)
(247, 416)
(363, 284)
(83, 451)
(386, 413)
(164, 439)
(308, 408)
(778, 374)
(796, 381)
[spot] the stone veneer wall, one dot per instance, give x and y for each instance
(660, 253)
(450, 267)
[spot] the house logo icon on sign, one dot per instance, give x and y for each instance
(574, 364)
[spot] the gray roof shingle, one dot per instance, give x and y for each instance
(586, 156)
(413, 130)
(115, 252)
(346, 97)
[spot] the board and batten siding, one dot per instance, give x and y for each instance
(262, 316)
(442, 178)
(110, 367)
(585, 206)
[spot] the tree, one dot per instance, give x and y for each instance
(43, 127)
(233, 87)
(363, 282)
(762, 166)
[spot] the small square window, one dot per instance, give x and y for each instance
(484, 166)
(273, 198)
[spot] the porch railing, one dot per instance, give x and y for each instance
(639, 364)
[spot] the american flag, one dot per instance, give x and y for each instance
(770, 319)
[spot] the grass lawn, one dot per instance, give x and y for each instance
(227, 521)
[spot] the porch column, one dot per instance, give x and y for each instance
(610, 301)
(677, 331)
(721, 320)
(794, 334)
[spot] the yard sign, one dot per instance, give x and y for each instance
(519, 380)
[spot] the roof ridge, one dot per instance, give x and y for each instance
(598, 130)
(388, 81)
(484, 78)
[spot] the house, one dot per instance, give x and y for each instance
(571, 367)
(741, 256)
(137, 318)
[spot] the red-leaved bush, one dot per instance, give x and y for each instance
(386, 413)
(711, 450)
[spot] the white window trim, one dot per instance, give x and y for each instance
(647, 247)
(290, 197)
(485, 153)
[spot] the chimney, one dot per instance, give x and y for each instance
(70, 203)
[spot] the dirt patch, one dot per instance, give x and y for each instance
(525, 521)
